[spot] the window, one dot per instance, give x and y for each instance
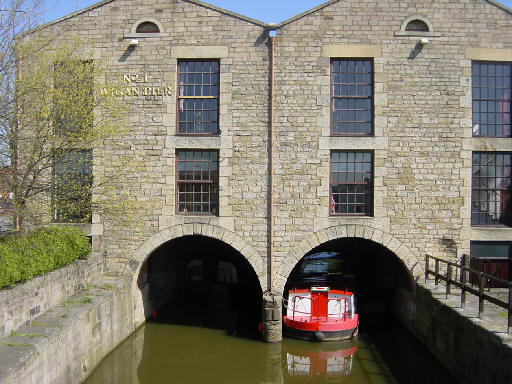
(490, 198)
(492, 86)
(147, 27)
(352, 97)
(351, 183)
(490, 250)
(198, 97)
(226, 273)
(72, 186)
(417, 25)
(197, 182)
(194, 270)
(493, 258)
(73, 97)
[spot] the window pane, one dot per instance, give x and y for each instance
(199, 186)
(352, 95)
(351, 191)
(490, 250)
(491, 90)
(491, 183)
(73, 186)
(199, 79)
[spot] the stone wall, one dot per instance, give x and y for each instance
(67, 342)
(422, 139)
(22, 303)
(470, 351)
(190, 30)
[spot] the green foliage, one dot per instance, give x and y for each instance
(86, 300)
(11, 344)
(40, 251)
(29, 335)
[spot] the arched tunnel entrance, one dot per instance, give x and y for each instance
(376, 275)
(201, 281)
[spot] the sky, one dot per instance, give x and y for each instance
(269, 11)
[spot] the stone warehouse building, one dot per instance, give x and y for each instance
(375, 128)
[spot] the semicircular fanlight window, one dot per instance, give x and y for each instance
(417, 26)
(147, 27)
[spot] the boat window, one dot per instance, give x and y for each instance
(324, 265)
(194, 270)
(226, 273)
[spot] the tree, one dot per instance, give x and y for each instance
(53, 117)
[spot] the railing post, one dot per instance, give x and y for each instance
(481, 295)
(426, 267)
(448, 279)
(463, 287)
(509, 325)
(463, 263)
(436, 267)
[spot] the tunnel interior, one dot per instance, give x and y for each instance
(201, 281)
(362, 266)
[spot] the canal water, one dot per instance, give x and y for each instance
(166, 353)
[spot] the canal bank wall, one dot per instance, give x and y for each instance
(68, 341)
(467, 346)
(22, 303)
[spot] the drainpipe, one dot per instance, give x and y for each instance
(272, 35)
(272, 302)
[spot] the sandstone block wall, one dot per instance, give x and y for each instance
(22, 303)
(66, 343)
(422, 139)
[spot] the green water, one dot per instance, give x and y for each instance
(165, 353)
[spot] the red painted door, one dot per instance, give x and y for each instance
(319, 302)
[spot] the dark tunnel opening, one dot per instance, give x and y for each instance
(374, 273)
(201, 281)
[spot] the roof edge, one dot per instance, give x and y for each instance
(499, 5)
(327, 3)
(229, 13)
(308, 12)
(66, 17)
(104, 2)
(224, 11)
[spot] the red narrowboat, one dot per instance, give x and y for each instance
(321, 314)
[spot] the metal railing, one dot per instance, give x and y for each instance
(464, 271)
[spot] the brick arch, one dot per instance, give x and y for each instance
(343, 231)
(200, 229)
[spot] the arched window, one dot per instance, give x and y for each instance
(147, 27)
(226, 273)
(417, 25)
(194, 270)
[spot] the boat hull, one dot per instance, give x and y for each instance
(322, 329)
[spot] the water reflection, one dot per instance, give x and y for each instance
(164, 353)
(332, 363)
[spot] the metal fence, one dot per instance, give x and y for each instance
(460, 275)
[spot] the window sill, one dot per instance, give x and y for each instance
(416, 34)
(198, 134)
(350, 215)
(143, 35)
(196, 214)
(490, 226)
(86, 228)
(352, 134)
(490, 233)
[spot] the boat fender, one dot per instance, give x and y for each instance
(319, 335)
